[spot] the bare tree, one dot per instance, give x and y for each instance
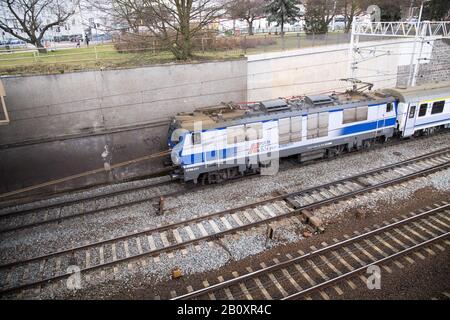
(248, 10)
(122, 12)
(318, 15)
(176, 22)
(35, 18)
(351, 9)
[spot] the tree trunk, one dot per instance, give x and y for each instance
(250, 27)
(282, 26)
(186, 48)
(38, 43)
(185, 52)
(348, 25)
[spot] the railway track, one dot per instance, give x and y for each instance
(34, 215)
(57, 212)
(332, 269)
(104, 254)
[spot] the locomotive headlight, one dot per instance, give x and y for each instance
(175, 157)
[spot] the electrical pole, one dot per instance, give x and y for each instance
(413, 68)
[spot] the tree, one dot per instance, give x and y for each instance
(350, 9)
(173, 22)
(436, 10)
(318, 15)
(30, 14)
(390, 10)
(126, 13)
(248, 10)
(282, 11)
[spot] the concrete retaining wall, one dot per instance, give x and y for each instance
(62, 124)
(50, 106)
(436, 68)
(319, 70)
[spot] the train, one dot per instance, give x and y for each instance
(213, 144)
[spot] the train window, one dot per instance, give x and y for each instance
(423, 109)
(253, 131)
(296, 129)
(323, 124)
(313, 126)
(355, 114)
(349, 115)
(389, 107)
(197, 138)
(235, 134)
(412, 111)
(284, 128)
(438, 107)
(361, 113)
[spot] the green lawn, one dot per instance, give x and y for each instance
(106, 56)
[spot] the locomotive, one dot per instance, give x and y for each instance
(216, 143)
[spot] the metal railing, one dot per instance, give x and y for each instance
(440, 29)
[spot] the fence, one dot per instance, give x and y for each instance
(107, 56)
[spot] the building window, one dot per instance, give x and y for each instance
(438, 107)
(423, 109)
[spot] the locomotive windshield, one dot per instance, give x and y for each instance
(173, 139)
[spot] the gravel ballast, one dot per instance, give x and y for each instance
(112, 223)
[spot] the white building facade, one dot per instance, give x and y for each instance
(87, 20)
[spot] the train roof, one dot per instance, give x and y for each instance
(428, 91)
(230, 114)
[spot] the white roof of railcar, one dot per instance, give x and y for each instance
(428, 91)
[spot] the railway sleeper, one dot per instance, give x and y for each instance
(314, 222)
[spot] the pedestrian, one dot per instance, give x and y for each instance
(87, 41)
(78, 43)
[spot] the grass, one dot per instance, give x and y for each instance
(106, 56)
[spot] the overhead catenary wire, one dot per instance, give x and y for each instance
(88, 173)
(197, 82)
(103, 107)
(84, 174)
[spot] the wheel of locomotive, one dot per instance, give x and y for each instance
(203, 179)
(214, 177)
(335, 152)
(232, 173)
(367, 144)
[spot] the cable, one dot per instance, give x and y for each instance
(86, 173)
(91, 172)
(200, 95)
(182, 84)
(199, 82)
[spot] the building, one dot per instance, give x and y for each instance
(88, 20)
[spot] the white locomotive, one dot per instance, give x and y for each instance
(217, 143)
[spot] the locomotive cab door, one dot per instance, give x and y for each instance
(410, 120)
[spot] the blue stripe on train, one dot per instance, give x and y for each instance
(230, 152)
(357, 128)
(427, 123)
